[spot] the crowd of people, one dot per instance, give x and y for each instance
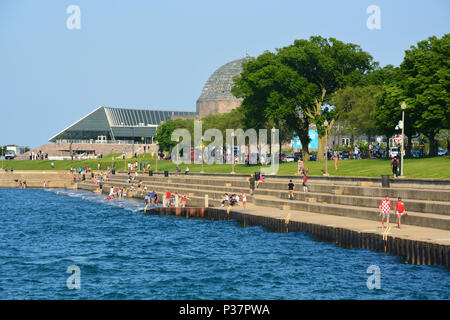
(175, 200)
(38, 155)
(81, 173)
(179, 200)
(234, 199)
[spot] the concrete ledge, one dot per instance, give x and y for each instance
(412, 251)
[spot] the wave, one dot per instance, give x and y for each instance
(128, 205)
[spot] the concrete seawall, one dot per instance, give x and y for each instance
(424, 242)
(412, 251)
(37, 179)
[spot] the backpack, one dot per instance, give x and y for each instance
(395, 162)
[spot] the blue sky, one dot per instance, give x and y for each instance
(159, 54)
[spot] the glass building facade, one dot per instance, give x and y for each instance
(118, 124)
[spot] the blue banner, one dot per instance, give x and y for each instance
(313, 144)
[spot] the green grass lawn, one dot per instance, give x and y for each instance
(437, 167)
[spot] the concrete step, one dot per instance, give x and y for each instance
(413, 218)
(360, 201)
(308, 199)
(415, 183)
(377, 192)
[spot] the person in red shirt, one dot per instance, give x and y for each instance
(400, 211)
(385, 210)
(305, 183)
(167, 200)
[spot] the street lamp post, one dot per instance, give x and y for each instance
(272, 152)
(202, 156)
(139, 159)
(325, 124)
(157, 153)
(403, 106)
(112, 150)
(232, 153)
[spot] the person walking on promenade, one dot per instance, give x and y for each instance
(385, 210)
(394, 166)
(305, 183)
(244, 198)
(291, 187)
(400, 211)
(261, 180)
(251, 183)
(336, 157)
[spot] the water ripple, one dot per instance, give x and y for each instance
(124, 254)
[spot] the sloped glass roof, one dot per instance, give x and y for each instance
(136, 117)
(118, 123)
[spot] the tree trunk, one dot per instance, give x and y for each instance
(432, 140)
(305, 148)
(353, 143)
(321, 149)
(408, 150)
(315, 114)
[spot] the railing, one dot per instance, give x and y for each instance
(92, 141)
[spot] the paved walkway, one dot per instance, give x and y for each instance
(406, 232)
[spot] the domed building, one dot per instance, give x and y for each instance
(216, 96)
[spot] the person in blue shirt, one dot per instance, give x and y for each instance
(153, 197)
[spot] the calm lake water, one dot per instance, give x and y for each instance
(124, 254)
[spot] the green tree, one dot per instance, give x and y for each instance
(223, 121)
(388, 113)
(164, 132)
(272, 97)
(425, 84)
(324, 66)
(356, 105)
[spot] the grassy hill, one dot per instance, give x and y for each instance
(437, 167)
